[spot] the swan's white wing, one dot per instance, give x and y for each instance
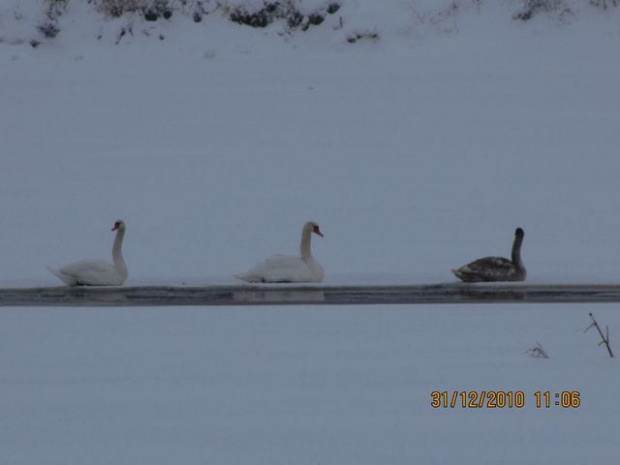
(90, 272)
(280, 269)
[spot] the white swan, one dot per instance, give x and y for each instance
(98, 272)
(289, 269)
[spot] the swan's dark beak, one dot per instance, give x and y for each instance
(318, 231)
(115, 227)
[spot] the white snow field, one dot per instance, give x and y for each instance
(303, 385)
(415, 153)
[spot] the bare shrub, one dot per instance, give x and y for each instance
(151, 9)
(49, 29)
(604, 337)
(363, 35)
(56, 8)
(532, 8)
(604, 4)
(117, 8)
(537, 351)
(286, 10)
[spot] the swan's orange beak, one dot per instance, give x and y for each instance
(318, 231)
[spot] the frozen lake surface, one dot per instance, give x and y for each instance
(303, 385)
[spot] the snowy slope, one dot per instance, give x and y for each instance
(415, 153)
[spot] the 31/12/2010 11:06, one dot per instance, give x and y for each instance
(503, 399)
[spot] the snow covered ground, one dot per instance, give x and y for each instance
(415, 153)
(302, 385)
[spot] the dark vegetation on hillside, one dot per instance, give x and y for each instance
(285, 10)
(290, 15)
(269, 12)
(560, 8)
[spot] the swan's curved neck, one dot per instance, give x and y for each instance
(304, 247)
(117, 252)
(516, 252)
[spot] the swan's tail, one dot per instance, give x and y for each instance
(249, 278)
(64, 278)
(458, 273)
(54, 271)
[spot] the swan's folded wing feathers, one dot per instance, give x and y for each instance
(67, 279)
(487, 269)
(92, 272)
(279, 268)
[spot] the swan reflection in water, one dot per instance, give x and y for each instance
(276, 296)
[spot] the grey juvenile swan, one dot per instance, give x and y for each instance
(496, 268)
